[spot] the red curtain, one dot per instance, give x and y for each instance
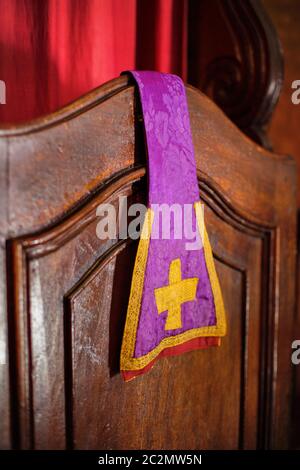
(53, 51)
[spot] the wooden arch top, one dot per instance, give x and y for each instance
(65, 292)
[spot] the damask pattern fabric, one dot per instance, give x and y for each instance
(175, 302)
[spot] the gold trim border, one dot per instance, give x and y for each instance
(127, 361)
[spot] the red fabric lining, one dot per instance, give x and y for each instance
(196, 343)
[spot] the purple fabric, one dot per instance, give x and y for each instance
(172, 179)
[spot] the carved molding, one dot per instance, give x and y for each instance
(269, 309)
(236, 60)
(22, 251)
(70, 111)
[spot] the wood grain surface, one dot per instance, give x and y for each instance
(67, 291)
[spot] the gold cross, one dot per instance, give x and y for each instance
(176, 293)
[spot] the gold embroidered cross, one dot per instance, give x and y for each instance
(176, 293)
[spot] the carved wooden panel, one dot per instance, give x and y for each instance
(74, 342)
(67, 290)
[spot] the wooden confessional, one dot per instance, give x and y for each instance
(64, 292)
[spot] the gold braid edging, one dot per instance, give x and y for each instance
(128, 362)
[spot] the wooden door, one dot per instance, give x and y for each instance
(65, 292)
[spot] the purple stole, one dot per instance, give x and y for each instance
(175, 302)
